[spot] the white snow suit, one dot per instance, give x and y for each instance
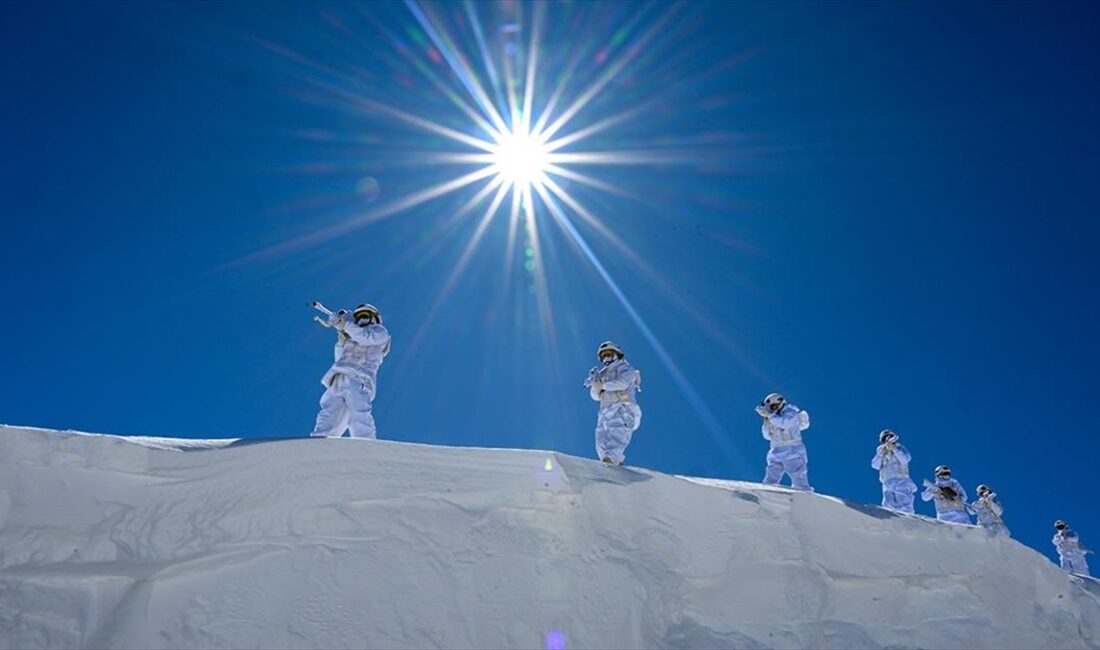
(948, 509)
(350, 382)
(989, 511)
(613, 386)
(787, 453)
(898, 490)
(1070, 552)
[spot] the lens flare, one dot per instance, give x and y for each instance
(555, 640)
(508, 102)
(521, 159)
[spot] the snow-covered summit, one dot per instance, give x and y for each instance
(157, 543)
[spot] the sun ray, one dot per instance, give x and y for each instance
(426, 124)
(422, 68)
(440, 231)
(598, 225)
(463, 260)
(360, 101)
(510, 81)
(483, 48)
(712, 423)
(576, 56)
(459, 65)
(425, 158)
(626, 157)
(597, 127)
(454, 97)
(559, 91)
(608, 75)
(584, 179)
(652, 276)
(513, 225)
(532, 64)
(371, 216)
(542, 289)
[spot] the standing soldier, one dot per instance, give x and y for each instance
(361, 345)
(782, 428)
(613, 385)
(1070, 552)
(989, 510)
(892, 462)
(949, 495)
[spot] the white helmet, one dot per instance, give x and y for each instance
(943, 471)
(773, 402)
(887, 436)
(1061, 524)
(370, 312)
(608, 348)
(984, 490)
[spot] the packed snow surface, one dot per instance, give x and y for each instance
(158, 543)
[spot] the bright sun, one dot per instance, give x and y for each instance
(521, 159)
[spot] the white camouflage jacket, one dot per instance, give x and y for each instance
(359, 351)
(614, 383)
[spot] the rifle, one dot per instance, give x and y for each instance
(944, 492)
(326, 311)
(331, 322)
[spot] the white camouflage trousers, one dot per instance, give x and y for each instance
(614, 426)
(897, 494)
(1074, 563)
(790, 460)
(346, 404)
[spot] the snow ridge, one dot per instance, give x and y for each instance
(126, 542)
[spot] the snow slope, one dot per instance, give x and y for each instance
(158, 543)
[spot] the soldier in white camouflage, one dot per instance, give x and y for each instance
(782, 427)
(949, 495)
(362, 342)
(614, 384)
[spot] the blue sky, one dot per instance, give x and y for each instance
(884, 211)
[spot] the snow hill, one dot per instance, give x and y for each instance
(157, 543)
